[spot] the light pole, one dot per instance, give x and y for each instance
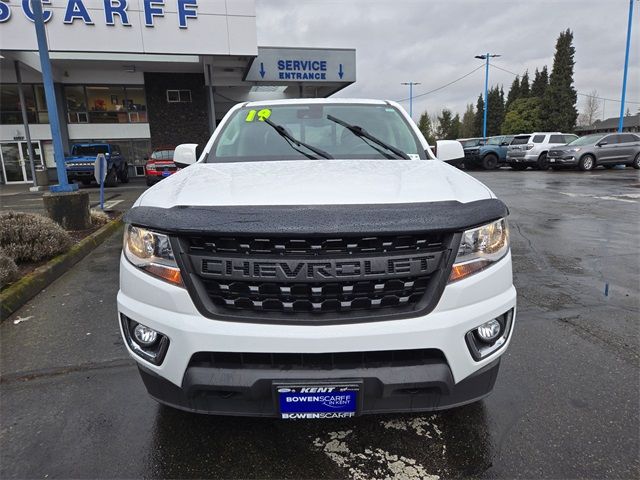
(411, 84)
(486, 57)
(626, 69)
(50, 98)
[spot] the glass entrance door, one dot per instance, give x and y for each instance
(16, 164)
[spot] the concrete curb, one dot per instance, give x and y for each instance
(15, 296)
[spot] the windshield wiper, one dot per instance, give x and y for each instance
(362, 133)
(291, 139)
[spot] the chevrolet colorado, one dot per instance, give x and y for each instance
(317, 261)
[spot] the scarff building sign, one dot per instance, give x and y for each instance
(205, 27)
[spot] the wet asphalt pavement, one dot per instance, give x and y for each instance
(565, 405)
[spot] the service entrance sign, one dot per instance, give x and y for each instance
(309, 65)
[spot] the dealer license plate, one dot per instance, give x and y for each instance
(297, 401)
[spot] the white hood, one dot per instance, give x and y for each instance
(315, 182)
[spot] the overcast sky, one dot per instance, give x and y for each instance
(434, 42)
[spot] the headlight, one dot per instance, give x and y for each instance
(151, 166)
(574, 149)
(479, 248)
(151, 252)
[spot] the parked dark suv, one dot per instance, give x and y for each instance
(589, 151)
(80, 164)
(488, 156)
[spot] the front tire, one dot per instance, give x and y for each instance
(543, 162)
(124, 175)
(490, 162)
(587, 163)
(111, 179)
(636, 162)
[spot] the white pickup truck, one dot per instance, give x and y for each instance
(317, 261)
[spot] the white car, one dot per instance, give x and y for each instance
(317, 261)
(531, 149)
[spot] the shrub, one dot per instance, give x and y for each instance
(8, 269)
(29, 237)
(99, 218)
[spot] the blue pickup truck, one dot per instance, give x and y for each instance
(488, 156)
(81, 163)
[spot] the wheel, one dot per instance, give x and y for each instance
(543, 162)
(518, 167)
(490, 161)
(111, 179)
(636, 162)
(124, 175)
(587, 163)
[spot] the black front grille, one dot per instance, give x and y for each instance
(315, 279)
(316, 297)
(316, 246)
(324, 361)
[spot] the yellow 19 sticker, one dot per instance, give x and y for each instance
(260, 115)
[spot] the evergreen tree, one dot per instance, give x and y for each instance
(455, 127)
(522, 117)
(448, 125)
(495, 115)
(467, 126)
(524, 86)
(558, 109)
(477, 124)
(514, 91)
(424, 124)
(540, 81)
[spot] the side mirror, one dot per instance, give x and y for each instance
(599, 144)
(185, 154)
(449, 150)
(504, 144)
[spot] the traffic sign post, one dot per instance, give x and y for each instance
(100, 173)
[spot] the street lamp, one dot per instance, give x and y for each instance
(411, 84)
(626, 69)
(486, 57)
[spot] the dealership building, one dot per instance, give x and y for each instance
(143, 74)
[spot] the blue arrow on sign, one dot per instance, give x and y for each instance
(262, 71)
(341, 72)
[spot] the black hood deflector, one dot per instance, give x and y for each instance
(319, 219)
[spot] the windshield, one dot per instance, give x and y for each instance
(89, 150)
(474, 142)
(162, 155)
(248, 137)
(521, 140)
(586, 140)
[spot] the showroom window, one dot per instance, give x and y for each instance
(179, 96)
(105, 104)
(10, 110)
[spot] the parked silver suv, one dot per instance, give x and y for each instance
(530, 150)
(607, 149)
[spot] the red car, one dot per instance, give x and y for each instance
(159, 165)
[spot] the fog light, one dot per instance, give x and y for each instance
(489, 337)
(487, 332)
(145, 336)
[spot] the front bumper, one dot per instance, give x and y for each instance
(527, 159)
(569, 161)
(248, 392)
(457, 379)
(80, 174)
